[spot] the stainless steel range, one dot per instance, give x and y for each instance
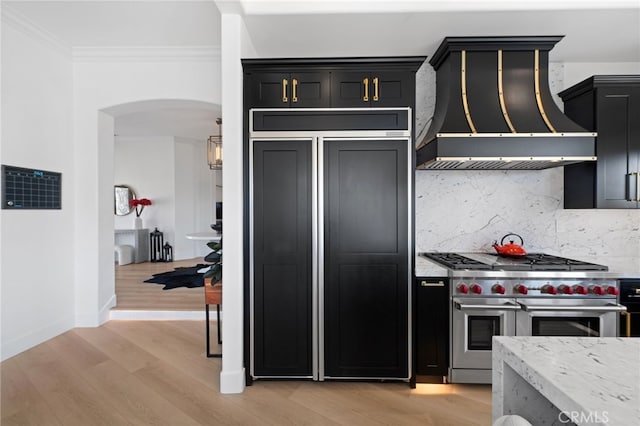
(535, 295)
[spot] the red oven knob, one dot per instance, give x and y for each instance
(596, 289)
(519, 288)
(565, 289)
(475, 288)
(549, 289)
(462, 288)
(612, 290)
(580, 289)
(498, 288)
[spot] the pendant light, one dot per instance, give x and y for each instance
(214, 148)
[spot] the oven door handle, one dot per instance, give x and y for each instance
(604, 308)
(505, 307)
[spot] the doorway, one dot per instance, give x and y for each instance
(160, 152)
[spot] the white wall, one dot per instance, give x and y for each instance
(147, 165)
(576, 72)
(104, 84)
(234, 41)
(38, 253)
(195, 197)
(58, 114)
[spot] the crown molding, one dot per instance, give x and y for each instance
(146, 53)
(34, 31)
(99, 53)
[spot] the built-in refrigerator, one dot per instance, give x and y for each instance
(330, 228)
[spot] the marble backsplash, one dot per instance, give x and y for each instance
(469, 210)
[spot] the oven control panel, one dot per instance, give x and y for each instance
(501, 287)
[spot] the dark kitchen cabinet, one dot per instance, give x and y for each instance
(328, 257)
(609, 105)
(289, 90)
(630, 297)
(432, 329)
(364, 88)
(330, 82)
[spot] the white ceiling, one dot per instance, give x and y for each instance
(590, 35)
(595, 31)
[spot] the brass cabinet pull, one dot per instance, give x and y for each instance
(628, 323)
(637, 186)
(365, 83)
(294, 90)
(375, 89)
(285, 82)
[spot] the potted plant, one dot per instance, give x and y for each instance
(215, 270)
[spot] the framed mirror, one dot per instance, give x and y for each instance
(122, 199)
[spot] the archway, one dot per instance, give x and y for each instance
(163, 145)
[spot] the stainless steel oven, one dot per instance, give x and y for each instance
(474, 323)
(538, 295)
(572, 317)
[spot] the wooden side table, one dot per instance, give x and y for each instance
(212, 296)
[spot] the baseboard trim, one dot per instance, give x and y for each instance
(232, 381)
(22, 343)
(105, 312)
(132, 314)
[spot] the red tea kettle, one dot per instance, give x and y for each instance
(511, 249)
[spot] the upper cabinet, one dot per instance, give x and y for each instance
(372, 88)
(289, 89)
(609, 105)
(330, 82)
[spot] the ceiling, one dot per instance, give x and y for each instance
(595, 31)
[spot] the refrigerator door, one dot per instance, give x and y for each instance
(282, 321)
(366, 276)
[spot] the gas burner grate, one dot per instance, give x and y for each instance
(455, 261)
(547, 262)
(530, 262)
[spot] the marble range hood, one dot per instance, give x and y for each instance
(494, 108)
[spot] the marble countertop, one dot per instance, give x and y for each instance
(426, 268)
(619, 267)
(577, 374)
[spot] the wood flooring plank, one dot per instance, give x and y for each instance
(202, 401)
(340, 402)
(271, 408)
(155, 372)
(126, 353)
(132, 398)
(69, 397)
(71, 346)
(181, 350)
(133, 293)
(21, 403)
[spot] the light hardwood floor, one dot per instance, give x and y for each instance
(133, 293)
(155, 372)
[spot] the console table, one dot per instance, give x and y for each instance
(138, 238)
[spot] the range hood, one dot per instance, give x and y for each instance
(494, 108)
